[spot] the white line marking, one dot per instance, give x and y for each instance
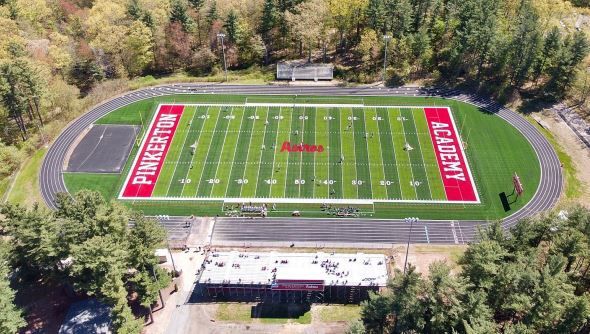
(179, 155)
(421, 154)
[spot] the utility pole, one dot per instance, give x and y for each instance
(410, 220)
(220, 35)
(386, 38)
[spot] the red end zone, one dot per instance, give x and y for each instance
(452, 163)
(148, 162)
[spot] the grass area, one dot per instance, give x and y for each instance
(106, 184)
(26, 186)
(333, 313)
(253, 75)
(234, 312)
(495, 150)
(453, 252)
(4, 184)
(573, 187)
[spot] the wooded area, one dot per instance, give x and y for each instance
(86, 245)
(533, 280)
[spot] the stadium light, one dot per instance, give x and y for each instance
(220, 35)
(386, 38)
(410, 220)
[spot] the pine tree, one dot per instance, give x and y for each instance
(178, 14)
(268, 19)
(197, 6)
(231, 26)
(212, 14)
(11, 319)
(375, 14)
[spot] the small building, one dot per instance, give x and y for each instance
(87, 316)
(273, 277)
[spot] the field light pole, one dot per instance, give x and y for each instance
(220, 35)
(410, 220)
(386, 38)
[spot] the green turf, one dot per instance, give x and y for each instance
(105, 184)
(234, 156)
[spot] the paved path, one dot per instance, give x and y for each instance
(322, 231)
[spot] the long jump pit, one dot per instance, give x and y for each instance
(103, 149)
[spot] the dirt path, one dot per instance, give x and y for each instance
(572, 145)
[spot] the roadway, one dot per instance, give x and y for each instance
(329, 231)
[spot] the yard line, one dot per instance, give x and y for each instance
(289, 155)
(179, 154)
(354, 152)
(197, 142)
(367, 146)
(301, 155)
(408, 153)
(381, 151)
(391, 136)
(220, 153)
(313, 155)
(248, 153)
(209, 152)
(421, 154)
(272, 173)
(234, 158)
(260, 160)
(206, 156)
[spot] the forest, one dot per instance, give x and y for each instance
(533, 280)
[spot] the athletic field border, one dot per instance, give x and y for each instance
(295, 200)
(546, 195)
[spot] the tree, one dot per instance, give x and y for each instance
(179, 14)
(137, 53)
(197, 5)
(574, 50)
(95, 261)
(375, 312)
(11, 319)
(268, 20)
(399, 16)
(231, 26)
(443, 299)
(21, 88)
(85, 73)
(375, 14)
(10, 160)
(212, 14)
(309, 22)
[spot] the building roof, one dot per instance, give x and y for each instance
(87, 316)
(259, 268)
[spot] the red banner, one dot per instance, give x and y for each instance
(148, 163)
(452, 163)
(298, 285)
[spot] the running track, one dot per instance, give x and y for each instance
(328, 231)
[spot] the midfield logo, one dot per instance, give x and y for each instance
(301, 147)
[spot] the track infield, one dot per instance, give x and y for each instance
(301, 153)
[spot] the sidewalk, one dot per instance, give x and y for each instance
(188, 262)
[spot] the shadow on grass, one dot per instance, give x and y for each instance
(279, 311)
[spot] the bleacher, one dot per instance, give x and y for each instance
(304, 71)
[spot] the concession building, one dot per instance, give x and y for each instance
(273, 277)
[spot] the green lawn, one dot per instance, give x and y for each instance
(495, 150)
(333, 313)
(105, 184)
(26, 190)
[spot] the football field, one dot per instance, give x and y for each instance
(301, 153)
